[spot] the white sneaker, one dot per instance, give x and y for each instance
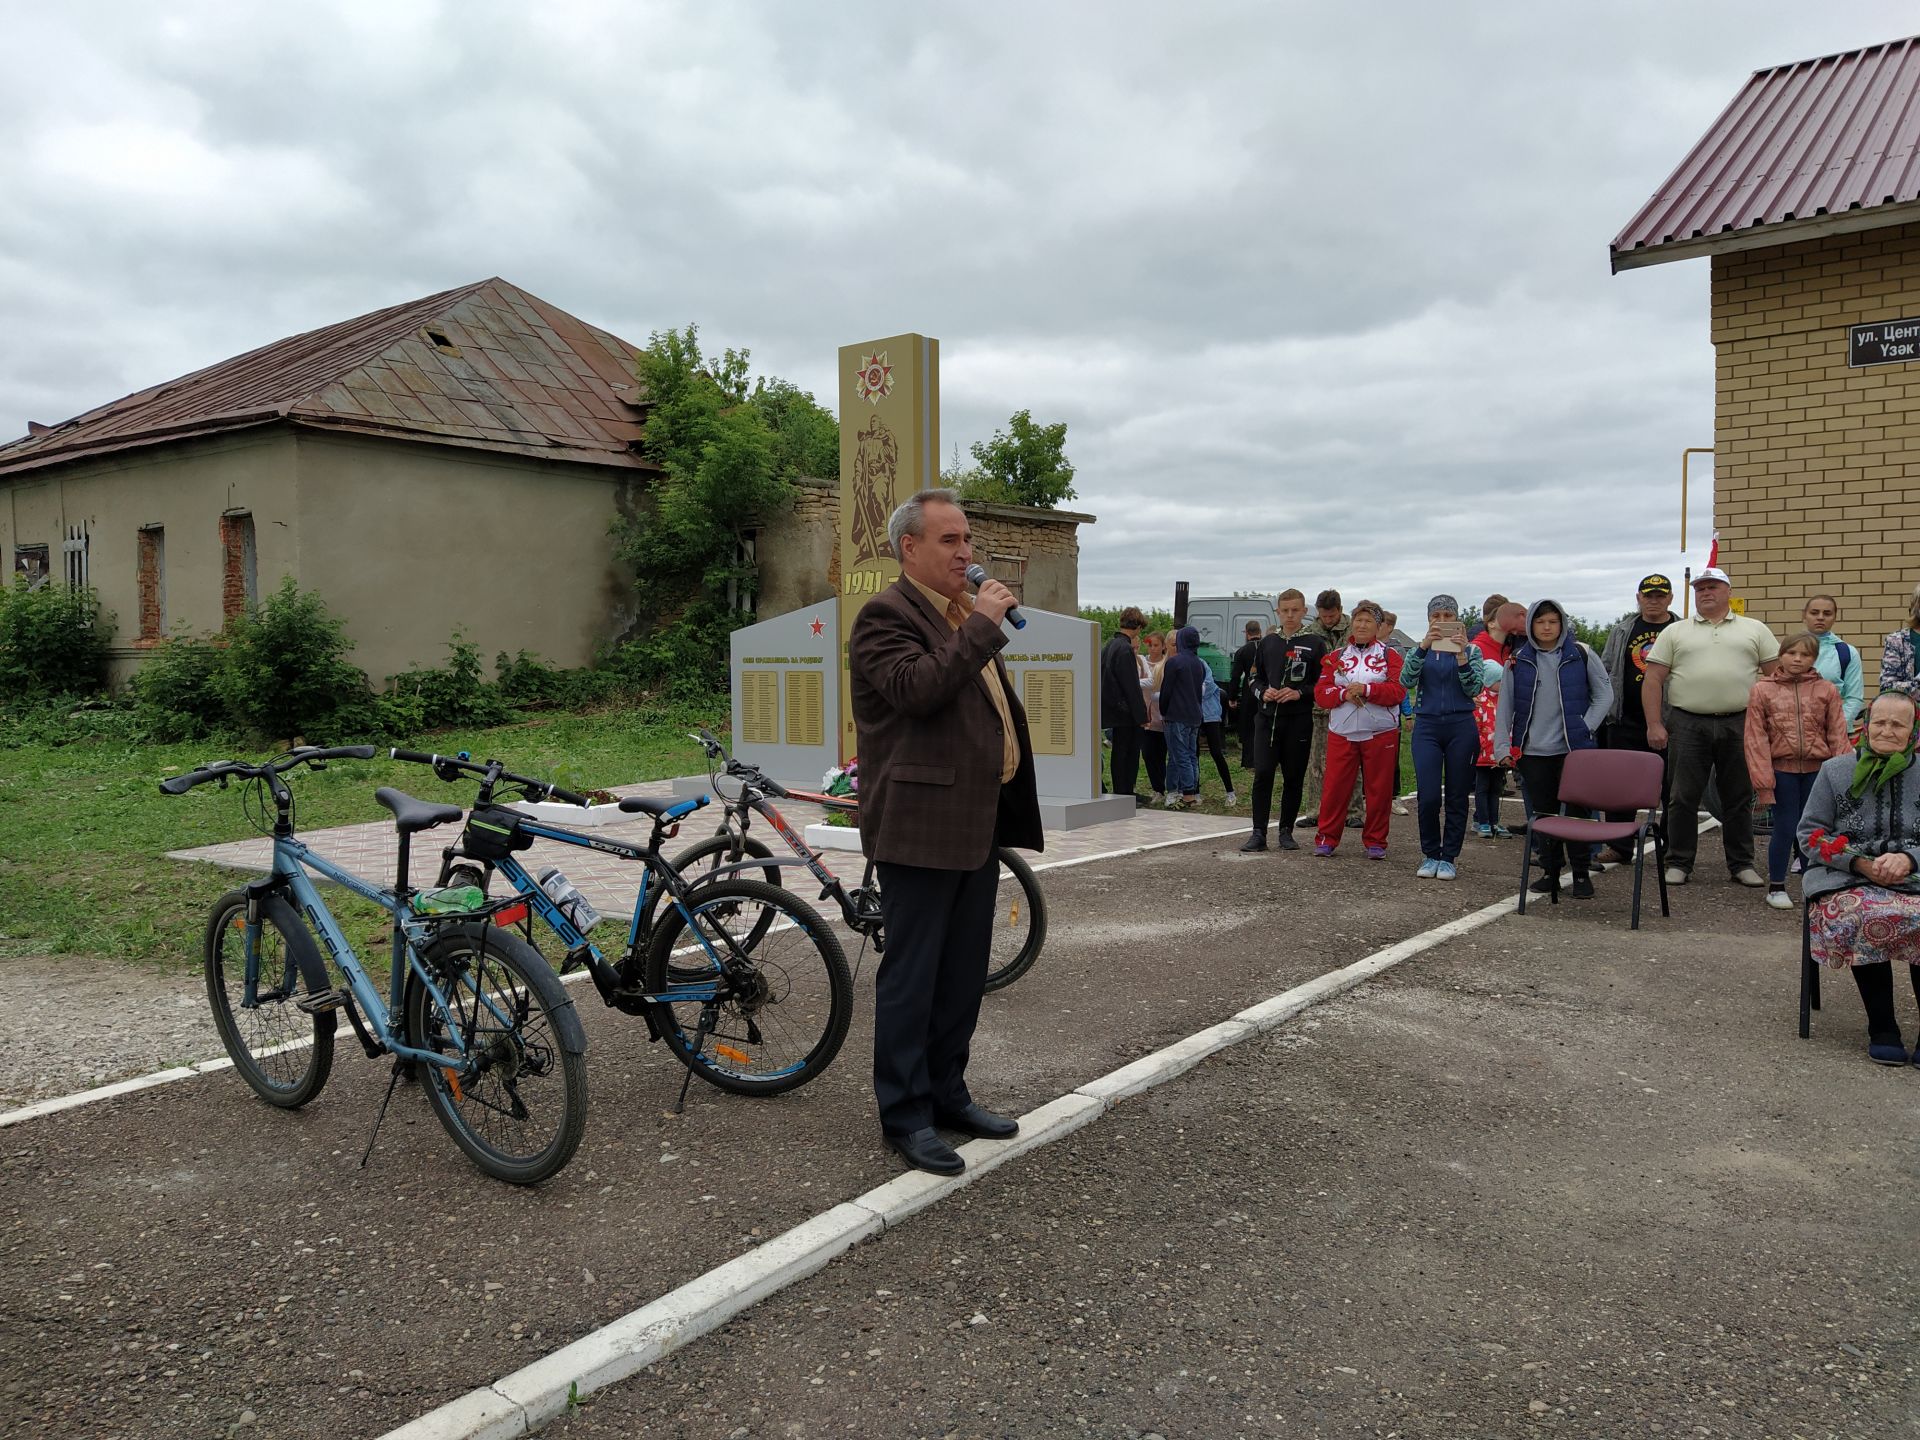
(1400, 809)
(1232, 799)
(1676, 876)
(1749, 877)
(1779, 900)
(1158, 799)
(1172, 801)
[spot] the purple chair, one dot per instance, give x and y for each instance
(1603, 780)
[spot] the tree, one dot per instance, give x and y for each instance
(806, 437)
(1025, 464)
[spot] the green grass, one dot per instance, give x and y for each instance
(84, 828)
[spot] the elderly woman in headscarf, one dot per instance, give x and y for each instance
(1861, 833)
(1900, 654)
(1442, 677)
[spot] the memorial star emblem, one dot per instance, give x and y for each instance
(819, 626)
(875, 377)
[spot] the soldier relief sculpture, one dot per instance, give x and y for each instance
(876, 470)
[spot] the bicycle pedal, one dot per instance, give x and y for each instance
(321, 1001)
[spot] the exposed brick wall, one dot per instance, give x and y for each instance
(236, 541)
(1816, 472)
(151, 567)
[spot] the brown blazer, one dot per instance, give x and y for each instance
(929, 736)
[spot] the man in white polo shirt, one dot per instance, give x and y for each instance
(1704, 668)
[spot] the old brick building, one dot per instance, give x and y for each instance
(1805, 196)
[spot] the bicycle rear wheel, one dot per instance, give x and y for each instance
(281, 1051)
(775, 1011)
(1019, 922)
(520, 1111)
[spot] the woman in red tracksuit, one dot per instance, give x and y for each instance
(1360, 689)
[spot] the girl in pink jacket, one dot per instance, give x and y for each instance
(1795, 722)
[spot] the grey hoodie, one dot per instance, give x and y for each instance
(1547, 725)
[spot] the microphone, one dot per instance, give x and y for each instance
(976, 577)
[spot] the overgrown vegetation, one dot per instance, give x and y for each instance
(729, 451)
(53, 641)
(1109, 618)
(1024, 464)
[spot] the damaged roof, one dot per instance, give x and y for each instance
(486, 366)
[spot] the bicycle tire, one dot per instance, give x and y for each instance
(281, 1052)
(534, 1047)
(1021, 946)
(699, 861)
(795, 1016)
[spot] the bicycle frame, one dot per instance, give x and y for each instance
(291, 861)
(831, 886)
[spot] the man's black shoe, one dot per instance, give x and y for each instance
(1545, 885)
(924, 1150)
(1255, 842)
(1286, 841)
(1582, 888)
(981, 1123)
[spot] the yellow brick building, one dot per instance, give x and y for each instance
(1806, 197)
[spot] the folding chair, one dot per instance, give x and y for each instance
(1604, 780)
(1809, 972)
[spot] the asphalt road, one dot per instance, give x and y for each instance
(185, 1260)
(1549, 1178)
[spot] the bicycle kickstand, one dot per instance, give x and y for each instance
(700, 1033)
(399, 1069)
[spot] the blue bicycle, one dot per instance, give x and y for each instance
(471, 1009)
(742, 980)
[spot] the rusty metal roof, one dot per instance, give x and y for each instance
(1816, 147)
(486, 366)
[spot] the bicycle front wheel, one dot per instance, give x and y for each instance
(697, 865)
(1019, 922)
(519, 1106)
(281, 1051)
(754, 1018)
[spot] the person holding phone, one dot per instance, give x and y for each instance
(1442, 681)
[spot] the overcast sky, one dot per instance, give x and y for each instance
(1321, 290)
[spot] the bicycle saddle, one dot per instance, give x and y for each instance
(411, 815)
(662, 809)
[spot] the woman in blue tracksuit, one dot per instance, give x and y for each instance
(1442, 685)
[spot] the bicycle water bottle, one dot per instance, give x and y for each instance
(570, 901)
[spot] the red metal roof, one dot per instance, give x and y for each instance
(1800, 144)
(486, 365)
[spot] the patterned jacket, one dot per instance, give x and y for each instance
(1897, 669)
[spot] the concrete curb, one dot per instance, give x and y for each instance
(530, 1397)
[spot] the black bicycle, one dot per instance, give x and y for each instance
(744, 981)
(1020, 911)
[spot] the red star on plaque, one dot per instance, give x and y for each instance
(819, 627)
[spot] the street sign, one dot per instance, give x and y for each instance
(1884, 342)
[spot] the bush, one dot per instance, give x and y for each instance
(175, 692)
(436, 699)
(685, 661)
(524, 679)
(53, 641)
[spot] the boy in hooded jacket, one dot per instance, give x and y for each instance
(1182, 681)
(1552, 699)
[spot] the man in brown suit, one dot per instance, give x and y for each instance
(946, 774)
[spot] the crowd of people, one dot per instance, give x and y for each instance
(1741, 719)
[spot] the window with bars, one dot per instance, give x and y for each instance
(1010, 571)
(74, 550)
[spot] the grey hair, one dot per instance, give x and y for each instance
(911, 517)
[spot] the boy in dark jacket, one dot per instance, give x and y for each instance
(1123, 705)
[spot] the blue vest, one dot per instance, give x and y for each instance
(1575, 694)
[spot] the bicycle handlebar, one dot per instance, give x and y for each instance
(447, 767)
(221, 769)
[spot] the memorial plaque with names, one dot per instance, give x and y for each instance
(806, 707)
(1047, 694)
(760, 707)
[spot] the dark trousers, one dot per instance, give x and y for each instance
(927, 990)
(1540, 788)
(1153, 750)
(1126, 758)
(1486, 794)
(1213, 734)
(1699, 746)
(1876, 993)
(1443, 751)
(1289, 750)
(1631, 735)
(1790, 792)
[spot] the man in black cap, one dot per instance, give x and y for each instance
(1625, 656)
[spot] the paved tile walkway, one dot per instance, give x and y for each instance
(609, 882)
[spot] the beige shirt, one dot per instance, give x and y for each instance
(956, 612)
(1714, 663)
